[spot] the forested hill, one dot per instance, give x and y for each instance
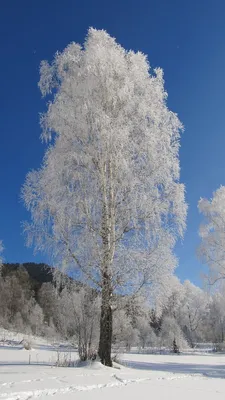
(41, 273)
(37, 274)
(32, 273)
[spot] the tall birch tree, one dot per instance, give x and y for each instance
(107, 200)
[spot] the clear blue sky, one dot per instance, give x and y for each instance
(185, 38)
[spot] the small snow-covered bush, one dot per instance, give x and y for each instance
(64, 359)
(27, 344)
(171, 335)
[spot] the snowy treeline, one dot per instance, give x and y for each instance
(189, 315)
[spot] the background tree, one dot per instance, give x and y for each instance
(36, 319)
(125, 334)
(146, 334)
(171, 335)
(155, 321)
(215, 321)
(107, 200)
(192, 311)
(48, 300)
(79, 312)
(212, 233)
(173, 302)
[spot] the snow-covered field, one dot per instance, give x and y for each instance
(148, 376)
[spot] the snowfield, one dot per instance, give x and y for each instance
(150, 376)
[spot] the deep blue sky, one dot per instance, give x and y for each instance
(185, 38)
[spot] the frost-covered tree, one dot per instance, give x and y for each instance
(192, 311)
(213, 326)
(124, 333)
(79, 316)
(18, 322)
(48, 300)
(175, 296)
(212, 233)
(36, 319)
(215, 322)
(187, 304)
(107, 199)
(171, 335)
(146, 334)
(155, 321)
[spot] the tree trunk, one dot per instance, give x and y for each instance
(105, 341)
(108, 240)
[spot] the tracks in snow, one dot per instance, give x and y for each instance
(34, 394)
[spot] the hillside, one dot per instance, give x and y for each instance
(41, 273)
(38, 273)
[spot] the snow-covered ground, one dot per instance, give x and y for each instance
(148, 376)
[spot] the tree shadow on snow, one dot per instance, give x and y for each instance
(211, 371)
